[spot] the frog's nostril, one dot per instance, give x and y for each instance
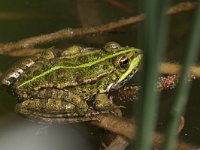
(137, 52)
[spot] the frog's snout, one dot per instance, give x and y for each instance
(138, 52)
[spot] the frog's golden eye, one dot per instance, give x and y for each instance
(124, 62)
(112, 46)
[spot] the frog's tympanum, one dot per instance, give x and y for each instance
(73, 84)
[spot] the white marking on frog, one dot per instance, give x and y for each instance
(30, 63)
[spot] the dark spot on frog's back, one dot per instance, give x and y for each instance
(79, 79)
(105, 67)
(83, 59)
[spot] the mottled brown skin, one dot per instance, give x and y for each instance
(68, 84)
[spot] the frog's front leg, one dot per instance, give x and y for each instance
(80, 105)
(102, 102)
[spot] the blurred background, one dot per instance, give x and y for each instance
(21, 19)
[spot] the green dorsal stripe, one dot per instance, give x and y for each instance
(79, 66)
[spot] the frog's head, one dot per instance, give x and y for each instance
(126, 61)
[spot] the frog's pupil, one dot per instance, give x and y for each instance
(124, 63)
(114, 46)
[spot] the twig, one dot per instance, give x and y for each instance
(171, 68)
(119, 143)
(116, 125)
(25, 52)
(181, 125)
(67, 33)
(181, 7)
(127, 129)
(70, 33)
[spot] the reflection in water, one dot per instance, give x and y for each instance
(20, 134)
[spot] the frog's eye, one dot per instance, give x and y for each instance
(124, 62)
(112, 46)
(75, 49)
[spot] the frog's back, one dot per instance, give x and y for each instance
(15, 72)
(53, 69)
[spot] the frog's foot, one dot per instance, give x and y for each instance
(113, 109)
(102, 102)
(117, 107)
(92, 112)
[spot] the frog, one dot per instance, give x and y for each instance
(71, 85)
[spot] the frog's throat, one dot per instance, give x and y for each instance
(133, 65)
(128, 50)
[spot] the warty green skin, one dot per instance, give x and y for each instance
(71, 85)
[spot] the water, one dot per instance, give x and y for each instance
(26, 18)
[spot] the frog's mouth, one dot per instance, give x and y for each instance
(116, 86)
(133, 68)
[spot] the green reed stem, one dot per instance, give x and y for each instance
(183, 87)
(154, 38)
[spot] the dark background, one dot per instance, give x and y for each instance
(21, 19)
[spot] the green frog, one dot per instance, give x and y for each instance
(71, 85)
